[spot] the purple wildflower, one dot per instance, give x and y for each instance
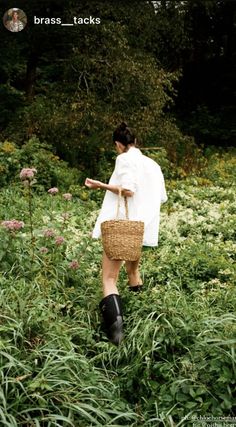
(27, 173)
(53, 190)
(74, 265)
(49, 233)
(59, 240)
(13, 224)
(67, 196)
(43, 250)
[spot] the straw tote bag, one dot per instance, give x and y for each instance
(121, 238)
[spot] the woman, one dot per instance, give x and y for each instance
(15, 24)
(142, 182)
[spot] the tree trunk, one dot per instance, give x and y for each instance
(231, 34)
(30, 76)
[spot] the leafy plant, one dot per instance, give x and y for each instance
(177, 360)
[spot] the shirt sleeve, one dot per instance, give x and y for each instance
(126, 173)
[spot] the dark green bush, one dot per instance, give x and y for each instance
(51, 171)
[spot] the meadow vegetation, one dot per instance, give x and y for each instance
(177, 361)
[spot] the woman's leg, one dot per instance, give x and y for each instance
(132, 268)
(110, 273)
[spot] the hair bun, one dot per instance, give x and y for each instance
(123, 134)
(123, 126)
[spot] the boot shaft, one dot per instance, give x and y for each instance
(111, 310)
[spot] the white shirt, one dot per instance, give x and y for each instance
(142, 175)
(15, 26)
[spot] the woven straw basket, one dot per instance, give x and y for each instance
(121, 238)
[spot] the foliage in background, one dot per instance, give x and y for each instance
(51, 170)
(70, 87)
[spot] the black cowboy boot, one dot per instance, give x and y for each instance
(111, 310)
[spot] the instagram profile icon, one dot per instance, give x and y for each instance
(14, 20)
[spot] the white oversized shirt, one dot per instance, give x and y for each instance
(142, 175)
(15, 26)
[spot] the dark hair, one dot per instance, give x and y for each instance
(123, 134)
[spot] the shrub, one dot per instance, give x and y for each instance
(182, 152)
(51, 170)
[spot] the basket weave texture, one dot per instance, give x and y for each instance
(122, 238)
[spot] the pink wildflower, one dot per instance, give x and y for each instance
(67, 196)
(43, 250)
(13, 224)
(53, 190)
(27, 173)
(74, 265)
(59, 240)
(49, 233)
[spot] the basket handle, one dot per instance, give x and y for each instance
(119, 203)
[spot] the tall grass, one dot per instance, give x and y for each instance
(177, 360)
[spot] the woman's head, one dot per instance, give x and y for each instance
(123, 135)
(15, 15)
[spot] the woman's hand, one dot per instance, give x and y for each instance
(127, 193)
(92, 183)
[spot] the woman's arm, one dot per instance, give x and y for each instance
(92, 183)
